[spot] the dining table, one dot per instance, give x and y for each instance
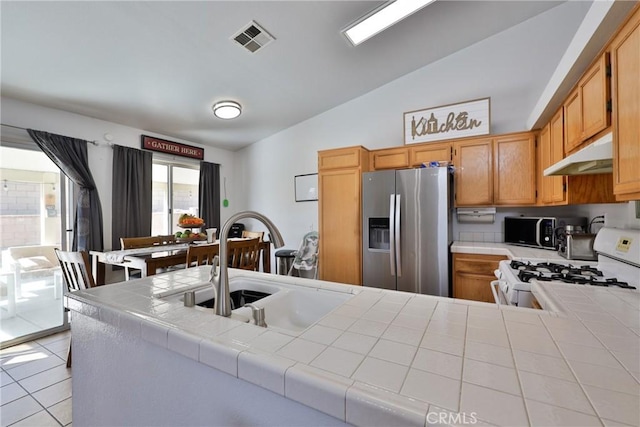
(150, 260)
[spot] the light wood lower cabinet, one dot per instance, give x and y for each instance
(339, 214)
(473, 274)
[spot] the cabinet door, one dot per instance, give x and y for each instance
(514, 175)
(350, 157)
(572, 121)
(473, 160)
(625, 62)
(556, 191)
(392, 158)
(340, 243)
(433, 152)
(472, 276)
(594, 96)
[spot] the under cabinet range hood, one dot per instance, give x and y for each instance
(595, 158)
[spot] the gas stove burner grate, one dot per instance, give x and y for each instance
(549, 267)
(576, 279)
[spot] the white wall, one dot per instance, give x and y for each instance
(26, 115)
(505, 67)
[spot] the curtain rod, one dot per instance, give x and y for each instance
(94, 142)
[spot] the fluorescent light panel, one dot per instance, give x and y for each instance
(383, 19)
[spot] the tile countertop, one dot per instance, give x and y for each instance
(511, 251)
(394, 358)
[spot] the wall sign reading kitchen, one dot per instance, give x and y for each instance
(461, 120)
(177, 149)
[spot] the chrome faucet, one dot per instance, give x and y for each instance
(219, 270)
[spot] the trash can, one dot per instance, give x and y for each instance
(284, 260)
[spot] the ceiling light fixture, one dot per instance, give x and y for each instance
(381, 19)
(227, 109)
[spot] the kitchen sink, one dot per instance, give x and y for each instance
(288, 308)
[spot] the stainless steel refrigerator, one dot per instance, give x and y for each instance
(407, 230)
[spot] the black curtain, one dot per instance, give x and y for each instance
(70, 155)
(132, 180)
(209, 194)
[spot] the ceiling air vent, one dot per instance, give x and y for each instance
(253, 37)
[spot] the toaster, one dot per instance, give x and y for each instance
(578, 246)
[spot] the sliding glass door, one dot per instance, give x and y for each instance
(175, 192)
(32, 223)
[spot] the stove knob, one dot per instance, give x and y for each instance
(497, 273)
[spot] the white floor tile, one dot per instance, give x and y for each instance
(11, 392)
(5, 378)
(43, 362)
(54, 394)
(39, 419)
(19, 410)
(46, 378)
(62, 411)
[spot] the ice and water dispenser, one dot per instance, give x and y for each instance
(379, 233)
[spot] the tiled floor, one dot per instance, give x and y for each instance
(36, 384)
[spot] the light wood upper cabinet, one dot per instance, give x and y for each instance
(625, 63)
(585, 110)
(551, 189)
(514, 174)
(595, 95)
(389, 158)
(495, 171)
(339, 214)
(473, 160)
(432, 152)
(572, 121)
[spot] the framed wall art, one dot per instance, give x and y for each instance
(306, 187)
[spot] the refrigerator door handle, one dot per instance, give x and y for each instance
(392, 234)
(398, 237)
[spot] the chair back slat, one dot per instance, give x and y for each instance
(76, 270)
(201, 255)
(244, 254)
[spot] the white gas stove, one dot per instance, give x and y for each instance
(618, 265)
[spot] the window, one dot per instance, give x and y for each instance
(175, 191)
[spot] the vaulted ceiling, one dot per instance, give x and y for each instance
(159, 66)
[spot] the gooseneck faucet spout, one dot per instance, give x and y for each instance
(219, 270)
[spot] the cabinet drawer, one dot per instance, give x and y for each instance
(476, 264)
(436, 152)
(394, 158)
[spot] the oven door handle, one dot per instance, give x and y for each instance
(494, 284)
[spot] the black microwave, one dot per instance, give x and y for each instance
(537, 232)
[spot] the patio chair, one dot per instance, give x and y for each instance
(305, 262)
(76, 274)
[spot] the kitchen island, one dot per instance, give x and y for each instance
(378, 358)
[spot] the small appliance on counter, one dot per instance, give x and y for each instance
(574, 243)
(539, 232)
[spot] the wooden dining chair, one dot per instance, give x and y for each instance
(201, 254)
(76, 273)
(253, 234)
(143, 242)
(244, 254)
